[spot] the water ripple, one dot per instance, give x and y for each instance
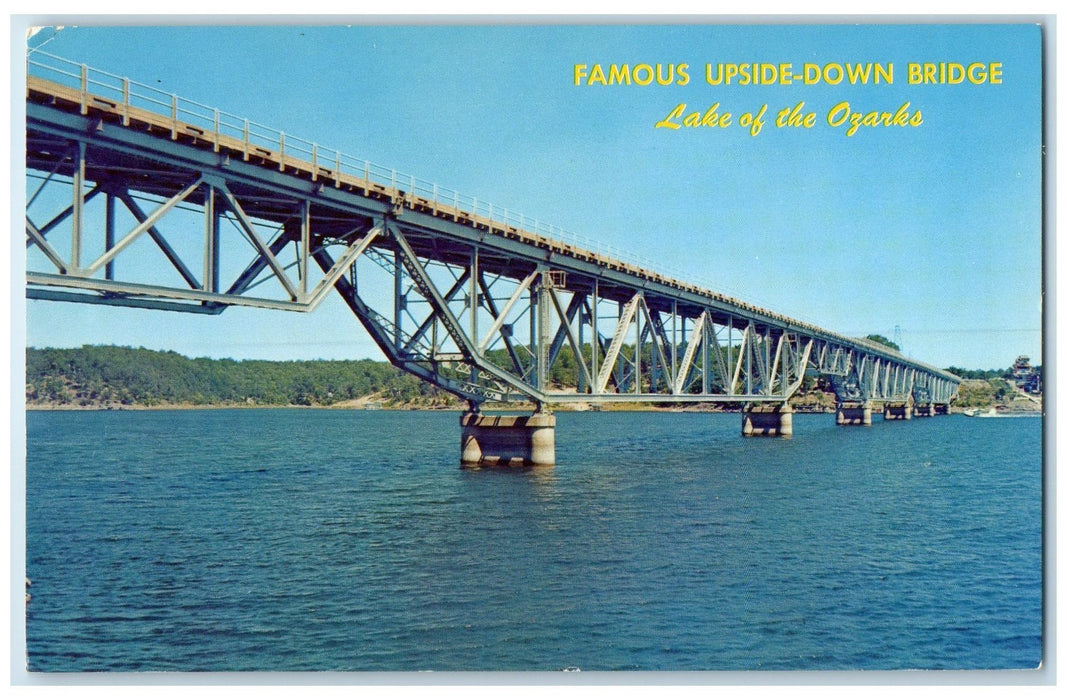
(661, 542)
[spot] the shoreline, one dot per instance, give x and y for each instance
(565, 408)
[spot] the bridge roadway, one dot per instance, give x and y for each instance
(459, 294)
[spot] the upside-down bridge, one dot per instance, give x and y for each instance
(482, 303)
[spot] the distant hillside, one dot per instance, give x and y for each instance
(108, 376)
(983, 393)
(117, 377)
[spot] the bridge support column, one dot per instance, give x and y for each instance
(853, 413)
(767, 419)
(507, 441)
(897, 411)
(924, 410)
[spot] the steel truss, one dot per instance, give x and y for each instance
(154, 219)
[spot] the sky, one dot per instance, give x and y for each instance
(933, 228)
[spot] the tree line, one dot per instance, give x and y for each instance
(109, 375)
(122, 376)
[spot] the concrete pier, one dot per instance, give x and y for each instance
(853, 413)
(507, 441)
(897, 411)
(767, 420)
(924, 410)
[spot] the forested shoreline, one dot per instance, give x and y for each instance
(105, 376)
(120, 377)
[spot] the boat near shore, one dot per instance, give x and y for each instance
(992, 412)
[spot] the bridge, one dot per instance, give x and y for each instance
(483, 303)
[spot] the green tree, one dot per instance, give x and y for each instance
(882, 340)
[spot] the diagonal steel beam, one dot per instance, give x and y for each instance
(383, 337)
(35, 237)
(742, 354)
(566, 317)
(244, 281)
(429, 290)
(776, 367)
(560, 336)
(722, 356)
(65, 214)
(428, 322)
(696, 337)
(452, 326)
(171, 254)
(659, 340)
(487, 295)
(802, 367)
(498, 322)
(46, 180)
(147, 223)
(612, 355)
(257, 242)
(343, 264)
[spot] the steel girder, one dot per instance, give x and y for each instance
(483, 311)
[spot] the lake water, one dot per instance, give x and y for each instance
(303, 540)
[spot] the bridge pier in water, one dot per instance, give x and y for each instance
(924, 410)
(853, 413)
(767, 420)
(507, 440)
(897, 411)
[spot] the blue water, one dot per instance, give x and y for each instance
(333, 540)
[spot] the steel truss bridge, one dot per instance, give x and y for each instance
(141, 199)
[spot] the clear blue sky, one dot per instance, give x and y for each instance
(935, 229)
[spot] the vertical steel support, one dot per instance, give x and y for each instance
(473, 302)
(582, 384)
(654, 368)
(398, 291)
(535, 353)
(707, 329)
(749, 332)
(474, 293)
(305, 245)
(674, 340)
(637, 346)
(109, 234)
(542, 311)
(211, 241)
(77, 204)
(765, 375)
(595, 346)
